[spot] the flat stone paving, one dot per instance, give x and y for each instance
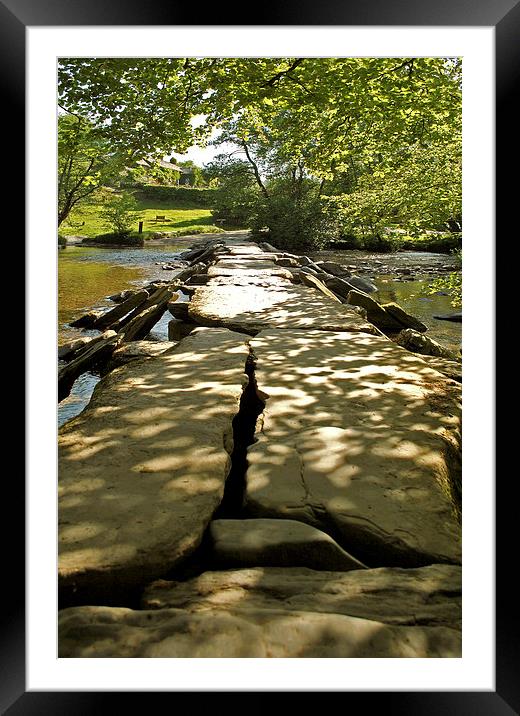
(101, 632)
(143, 468)
(248, 295)
(279, 613)
(358, 438)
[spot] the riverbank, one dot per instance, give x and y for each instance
(165, 239)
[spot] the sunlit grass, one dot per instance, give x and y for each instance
(86, 220)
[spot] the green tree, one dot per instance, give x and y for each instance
(236, 197)
(373, 129)
(334, 106)
(423, 192)
(120, 212)
(85, 163)
(385, 132)
(142, 105)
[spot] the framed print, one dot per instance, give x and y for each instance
(486, 37)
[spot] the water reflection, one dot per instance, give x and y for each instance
(78, 398)
(87, 275)
(413, 296)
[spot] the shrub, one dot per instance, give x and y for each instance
(62, 240)
(298, 221)
(196, 230)
(120, 211)
(382, 243)
(437, 243)
(124, 238)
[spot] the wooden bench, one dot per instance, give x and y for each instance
(160, 218)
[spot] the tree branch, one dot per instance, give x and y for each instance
(69, 111)
(300, 83)
(282, 73)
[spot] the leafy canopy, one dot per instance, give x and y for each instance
(382, 133)
(332, 106)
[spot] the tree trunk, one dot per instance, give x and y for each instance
(256, 172)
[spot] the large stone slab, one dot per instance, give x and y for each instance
(137, 350)
(142, 469)
(105, 632)
(271, 302)
(241, 248)
(278, 613)
(252, 269)
(358, 438)
(427, 595)
(276, 543)
(256, 262)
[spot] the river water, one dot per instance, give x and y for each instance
(88, 275)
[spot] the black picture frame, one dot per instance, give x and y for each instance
(504, 16)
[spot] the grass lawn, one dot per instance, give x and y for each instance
(85, 220)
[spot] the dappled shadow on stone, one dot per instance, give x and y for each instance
(255, 302)
(360, 439)
(143, 468)
(277, 612)
(356, 437)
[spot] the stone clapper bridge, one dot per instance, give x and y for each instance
(281, 480)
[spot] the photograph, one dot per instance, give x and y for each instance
(246, 267)
(259, 326)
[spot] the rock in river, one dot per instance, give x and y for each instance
(406, 319)
(454, 317)
(334, 268)
(376, 313)
(362, 284)
(418, 343)
(87, 320)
